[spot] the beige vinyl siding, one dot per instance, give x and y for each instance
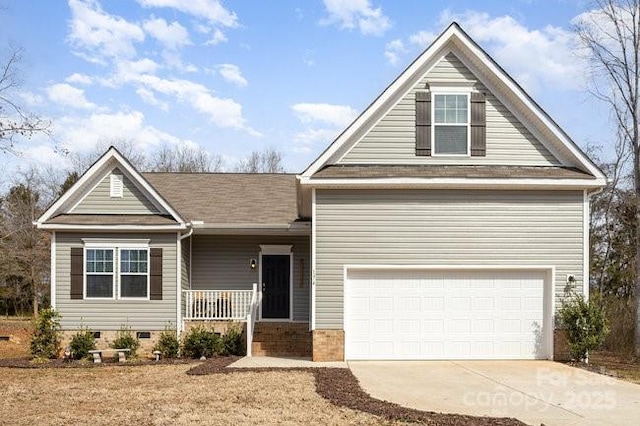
(99, 315)
(222, 263)
(99, 200)
(392, 140)
(434, 227)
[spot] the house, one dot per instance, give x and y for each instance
(448, 221)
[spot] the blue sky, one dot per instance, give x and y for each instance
(236, 76)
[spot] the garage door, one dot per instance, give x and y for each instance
(419, 314)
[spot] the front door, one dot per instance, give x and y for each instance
(276, 280)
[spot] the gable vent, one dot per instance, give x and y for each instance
(116, 185)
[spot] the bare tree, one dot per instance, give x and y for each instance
(610, 36)
(24, 250)
(187, 159)
(15, 122)
(80, 162)
(267, 161)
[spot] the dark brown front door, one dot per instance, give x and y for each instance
(276, 271)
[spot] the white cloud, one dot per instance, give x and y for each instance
(394, 50)
(324, 121)
(334, 115)
(67, 95)
(232, 74)
(211, 10)
(83, 133)
(30, 98)
(217, 38)
(173, 36)
(306, 140)
(513, 45)
(79, 78)
(360, 14)
(99, 34)
(223, 112)
(422, 38)
(147, 96)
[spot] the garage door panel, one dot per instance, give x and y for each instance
(445, 315)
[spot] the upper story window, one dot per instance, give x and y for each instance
(451, 121)
(450, 124)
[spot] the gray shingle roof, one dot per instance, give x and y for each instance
(229, 198)
(111, 219)
(438, 171)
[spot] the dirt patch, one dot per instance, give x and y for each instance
(19, 332)
(625, 367)
(340, 387)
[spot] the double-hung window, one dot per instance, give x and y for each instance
(134, 273)
(100, 273)
(450, 124)
(116, 269)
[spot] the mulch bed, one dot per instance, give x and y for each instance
(340, 387)
(59, 363)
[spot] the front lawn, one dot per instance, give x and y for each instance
(19, 331)
(621, 366)
(166, 395)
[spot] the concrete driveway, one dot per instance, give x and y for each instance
(534, 392)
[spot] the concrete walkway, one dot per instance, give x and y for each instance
(274, 362)
(533, 391)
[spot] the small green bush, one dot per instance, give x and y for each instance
(125, 339)
(586, 325)
(45, 342)
(168, 343)
(232, 341)
(200, 342)
(81, 343)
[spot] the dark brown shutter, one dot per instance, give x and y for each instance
(155, 273)
(478, 125)
(77, 270)
(423, 123)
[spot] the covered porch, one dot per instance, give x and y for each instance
(260, 281)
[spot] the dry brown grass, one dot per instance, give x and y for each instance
(159, 395)
(19, 330)
(625, 367)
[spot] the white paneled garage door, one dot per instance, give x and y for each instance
(439, 314)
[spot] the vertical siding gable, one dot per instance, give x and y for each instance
(99, 200)
(393, 141)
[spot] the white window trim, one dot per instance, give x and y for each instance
(119, 279)
(450, 91)
(84, 273)
(116, 246)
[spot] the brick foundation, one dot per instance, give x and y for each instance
(107, 336)
(220, 327)
(561, 350)
(291, 339)
(328, 345)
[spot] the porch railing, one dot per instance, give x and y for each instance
(218, 304)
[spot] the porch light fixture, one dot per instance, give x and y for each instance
(571, 279)
(252, 264)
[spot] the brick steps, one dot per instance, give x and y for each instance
(281, 339)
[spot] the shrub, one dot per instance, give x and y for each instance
(168, 343)
(586, 325)
(200, 342)
(81, 343)
(45, 342)
(232, 341)
(125, 340)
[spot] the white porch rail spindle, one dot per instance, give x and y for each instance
(217, 304)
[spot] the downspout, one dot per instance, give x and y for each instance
(179, 322)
